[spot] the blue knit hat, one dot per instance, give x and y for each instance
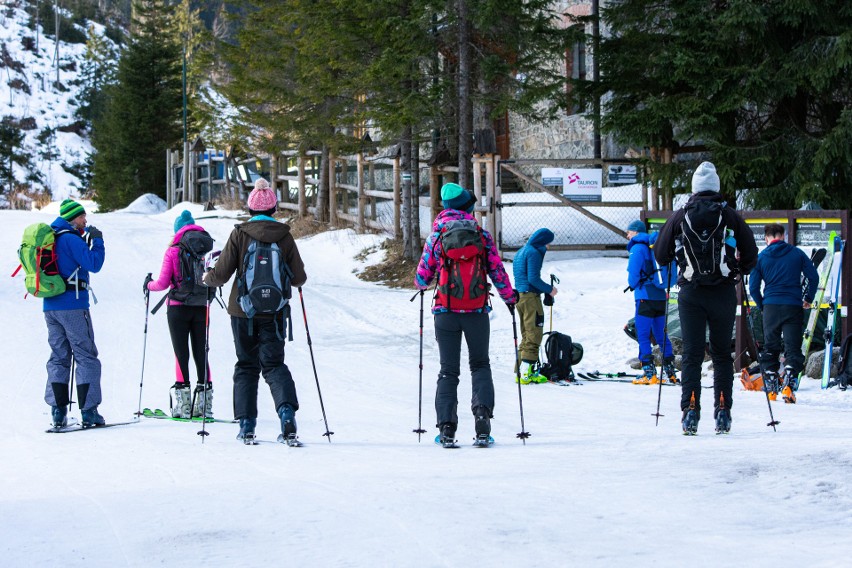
(637, 226)
(183, 220)
(454, 196)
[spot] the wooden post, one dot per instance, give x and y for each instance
(303, 198)
(489, 193)
(477, 185)
(332, 190)
(497, 233)
(273, 174)
(371, 173)
(362, 198)
(434, 194)
(397, 200)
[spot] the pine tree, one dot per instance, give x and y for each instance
(143, 114)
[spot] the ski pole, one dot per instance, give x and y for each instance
(663, 348)
(71, 383)
(144, 350)
(203, 432)
(314, 364)
(523, 434)
(419, 431)
(553, 280)
(747, 313)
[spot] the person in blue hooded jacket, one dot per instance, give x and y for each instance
(526, 267)
(79, 251)
(650, 297)
(780, 267)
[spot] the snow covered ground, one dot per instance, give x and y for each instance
(597, 484)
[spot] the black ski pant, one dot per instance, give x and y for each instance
(700, 308)
(449, 328)
(262, 351)
(187, 327)
(782, 321)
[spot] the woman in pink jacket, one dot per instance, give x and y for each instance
(187, 326)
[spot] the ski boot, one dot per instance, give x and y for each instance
(447, 437)
(790, 382)
(482, 425)
(770, 383)
(203, 401)
(183, 401)
(91, 418)
(669, 371)
(530, 374)
(723, 417)
(287, 414)
(59, 415)
(246, 434)
(648, 376)
(690, 419)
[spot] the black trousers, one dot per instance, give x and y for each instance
(782, 321)
(702, 308)
(260, 352)
(449, 329)
(187, 329)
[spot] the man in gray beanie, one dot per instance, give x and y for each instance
(708, 276)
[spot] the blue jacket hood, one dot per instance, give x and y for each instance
(778, 249)
(646, 239)
(541, 238)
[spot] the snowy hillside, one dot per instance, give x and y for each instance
(597, 484)
(33, 103)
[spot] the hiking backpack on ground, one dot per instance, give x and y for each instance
(38, 259)
(462, 281)
(844, 364)
(560, 355)
(705, 249)
(264, 286)
(190, 289)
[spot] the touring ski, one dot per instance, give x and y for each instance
(80, 427)
(158, 413)
(832, 315)
(816, 305)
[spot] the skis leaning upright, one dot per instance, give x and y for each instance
(817, 303)
(832, 315)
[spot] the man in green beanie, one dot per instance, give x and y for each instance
(79, 251)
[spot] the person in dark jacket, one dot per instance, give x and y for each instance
(259, 342)
(451, 323)
(779, 269)
(79, 251)
(650, 298)
(526, 267)
(187, 328)
(710, 304)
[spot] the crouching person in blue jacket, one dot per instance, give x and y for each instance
(79, 251)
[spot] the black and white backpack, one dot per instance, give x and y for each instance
(263, 286)
(560, 355)
(705, 249)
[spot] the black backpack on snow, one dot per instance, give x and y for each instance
(190, 289)
(844, 371)
(703, 248)
(560, 354)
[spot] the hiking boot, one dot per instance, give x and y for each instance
(669, 371)
(203, 404)
(690, 421)
(92, 418)
(447, 437)
(770, 382)
(59, 415)
(790, 383)
(288, 420)
(247, 428)
(183, 401)
(648, 376)
(482, 421)
(723, 421)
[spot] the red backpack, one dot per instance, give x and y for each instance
(462, 283)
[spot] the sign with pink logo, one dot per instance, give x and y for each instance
(582, 184)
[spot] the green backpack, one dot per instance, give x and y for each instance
(38, 259)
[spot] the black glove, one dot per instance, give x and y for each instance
(145, 289)
(514, 299)
(95, 233)
(548, 300)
